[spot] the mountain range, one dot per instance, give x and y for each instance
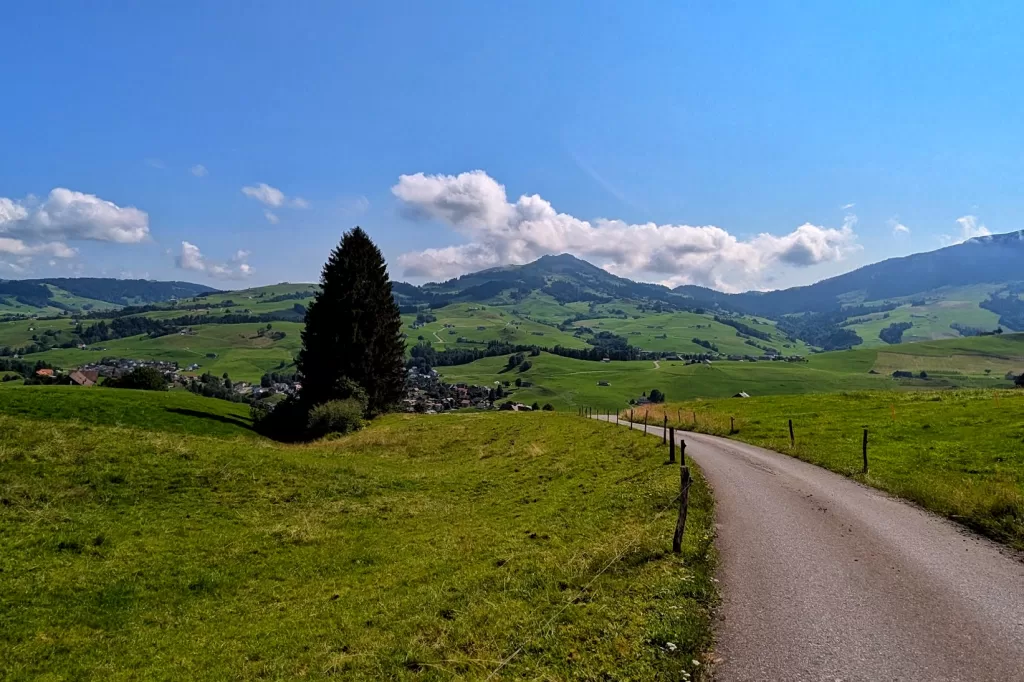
(993, 260)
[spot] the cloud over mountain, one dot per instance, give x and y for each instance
(191, 258)
(501, 232)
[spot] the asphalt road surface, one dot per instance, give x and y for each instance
(826, 579)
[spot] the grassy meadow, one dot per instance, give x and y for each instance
(239, 350)
(976, 362)
(479, 324)
(172, 411)
(957, 452)
(567, 383)
(676, 331)
(531, 546)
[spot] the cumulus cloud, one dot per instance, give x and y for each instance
(29, 227)
(970, 228)
(273, 197)
(500, 232)
(191, 258)
(199, 170)
(271, 217)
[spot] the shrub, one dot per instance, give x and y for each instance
(548, 407)
(140, 378)
(285, 421)
(656, 396)
(525, 366)
(535, 406)
(335, 416)
(1019, 381)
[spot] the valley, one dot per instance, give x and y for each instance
(481, 542)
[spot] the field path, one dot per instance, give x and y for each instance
(827, 579)
(439, 339)
(657, 365)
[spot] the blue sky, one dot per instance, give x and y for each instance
(712, 143)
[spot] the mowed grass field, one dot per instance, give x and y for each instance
(18, 333)
(172, 411)
(479, 324)
(239, 350)
(676, 331)
(567, 383)
(959, 453)
(527, 546)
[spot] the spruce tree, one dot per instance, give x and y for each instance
(353, 330)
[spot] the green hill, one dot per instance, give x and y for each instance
(172, 411)
(567, 383)
(237, 349)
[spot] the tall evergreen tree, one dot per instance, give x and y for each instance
(353, 329)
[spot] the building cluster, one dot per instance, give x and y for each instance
(116, 367)
(288, 388)
(425, 392)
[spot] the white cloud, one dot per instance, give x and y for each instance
(500, 232)
(847, 207)
(265, 194)
(68, 215)
(191, 258)
(29, 227)
(273, 197)
(898, 228)
(17, 247)
(156, 163)
(271, 217)
(970, 228)
(199, 170)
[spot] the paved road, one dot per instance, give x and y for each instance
(826, 579)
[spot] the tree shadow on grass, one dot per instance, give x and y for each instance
(234, 421)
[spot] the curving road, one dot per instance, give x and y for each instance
(826, 579)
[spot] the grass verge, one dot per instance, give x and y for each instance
(958, 453)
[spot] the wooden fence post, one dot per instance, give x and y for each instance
(684, 502)
(695, 417)
(664, 431)
(631, 419)
(645, 421)
(732, 425)
(792, 441)
(671, 445)
(865, 450)
(679, 416)
(682, 452)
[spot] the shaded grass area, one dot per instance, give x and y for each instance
(81, 407)
(419, 548)
(959, 453)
